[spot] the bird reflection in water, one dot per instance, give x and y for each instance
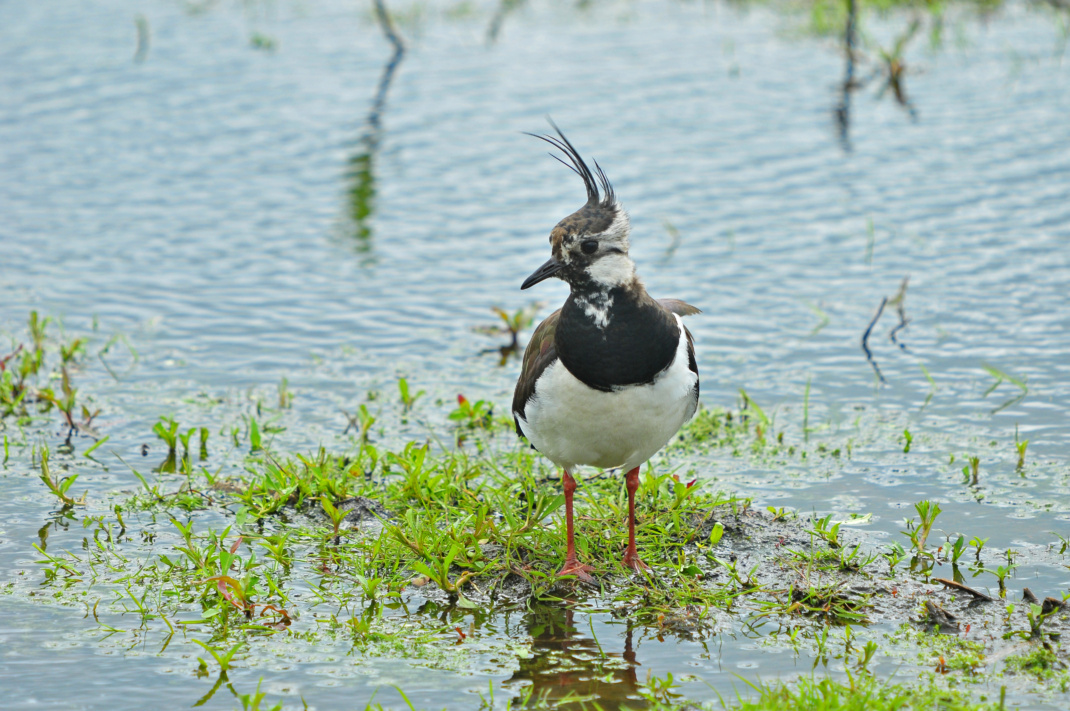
(569, 668)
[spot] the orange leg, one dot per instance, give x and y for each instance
(572, 566)
(631, 557)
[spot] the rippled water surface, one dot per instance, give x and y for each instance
(202, 203)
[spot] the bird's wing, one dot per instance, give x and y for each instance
(680, 308)
(538, 356)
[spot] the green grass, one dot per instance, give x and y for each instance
(861, 693)
(271, 552)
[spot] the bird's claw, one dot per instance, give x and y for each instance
(632, 560)
(578, 570)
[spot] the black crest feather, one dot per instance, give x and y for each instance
(591, 180)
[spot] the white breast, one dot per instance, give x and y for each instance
(573, 424)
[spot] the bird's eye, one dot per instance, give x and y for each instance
(589, 246)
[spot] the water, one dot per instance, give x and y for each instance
(201, 203)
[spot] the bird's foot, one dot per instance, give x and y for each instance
(632, 560)
(577, 569)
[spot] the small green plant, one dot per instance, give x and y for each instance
(473, 415)
(223, 658)
(361, 423)
(932, 386)
(286, 396)
(1063, 544)
(37, 328)
(439, 570)
(66, 404)
(167, 430)
(972, 471)
(978, 544)
(957, 549)
(511, 325)
(1002, 572)
(263, 42)
(829, 533)
(895, 554)
(255, 443)
(277, 547)
(744, 581)
(927, 512)
(751, 408)
(1036, 618)
(866, 655)
(852, 561)
(334, 514)
(680, 490)
(185, 439)
(779, 514)
(251, 702)
(1021, 447)
(909, 438)
(58, 488)
(1000, 377)
(408, 399)
(70, 352)
(661, 689)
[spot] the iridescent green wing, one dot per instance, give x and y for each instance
(538, 356)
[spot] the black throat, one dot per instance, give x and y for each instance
(615, 337)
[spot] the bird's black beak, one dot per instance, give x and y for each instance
(547, 270)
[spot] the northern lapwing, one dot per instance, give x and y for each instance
(611, 376)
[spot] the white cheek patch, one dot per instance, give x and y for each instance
(612, 270)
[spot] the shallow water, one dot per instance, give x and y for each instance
(199, 202)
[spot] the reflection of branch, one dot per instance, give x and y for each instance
(894, 69)
(505, 7)
(898, 301)
(865, 339)
(897, 69)
(843, 111)
(143, 38)
(387, 25)
(361, 164)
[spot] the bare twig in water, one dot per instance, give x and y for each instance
(897, 301)
(940, 619)
(865, 339)
(505, 8)
(512, 325)
(959, 586)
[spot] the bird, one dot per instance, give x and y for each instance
(611, 376)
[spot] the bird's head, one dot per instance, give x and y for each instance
(589, 248)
